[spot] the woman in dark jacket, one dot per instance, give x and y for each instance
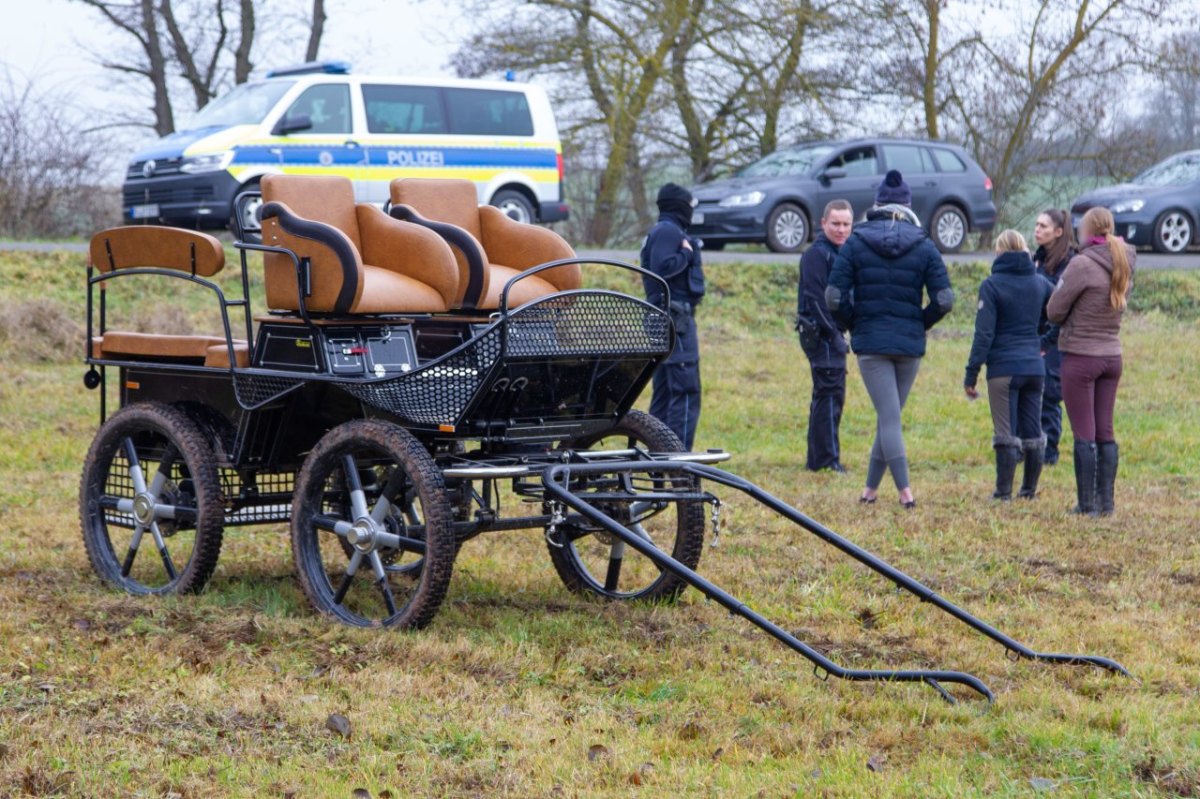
(876, 289)
(1056, 247)
(1088, 303)
(1012, 312)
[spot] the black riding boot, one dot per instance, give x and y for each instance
(1034, 450)
(1085, 477)
(1007, 457)
(1106, 474)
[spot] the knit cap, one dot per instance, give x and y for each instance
(893, 190)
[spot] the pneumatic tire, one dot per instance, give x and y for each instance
(583, 555)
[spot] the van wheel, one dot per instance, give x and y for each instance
(515, 205)
(243, 222)
(948, 227)
(787, 228)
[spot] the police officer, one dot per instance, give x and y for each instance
(675, 257)
(822, 341)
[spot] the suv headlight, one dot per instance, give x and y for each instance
(206, 163)
(742, 200)
(1127, 206)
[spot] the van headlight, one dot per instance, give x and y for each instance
(742, 200)
(1127, 206)
(206, 163)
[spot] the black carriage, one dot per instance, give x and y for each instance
(420, 378)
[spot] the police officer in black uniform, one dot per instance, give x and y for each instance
(675, 257)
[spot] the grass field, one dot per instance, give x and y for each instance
(521, 689)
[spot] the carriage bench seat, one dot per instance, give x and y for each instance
(196, 350)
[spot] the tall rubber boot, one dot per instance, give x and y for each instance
(1007, 457)
(1107, 457)
(1085, 477)
(1034, 450)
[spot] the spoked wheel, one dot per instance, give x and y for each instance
(593, 561)
(370, 527)
(150, 502)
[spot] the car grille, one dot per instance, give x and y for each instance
(162, 167)
(134, 195)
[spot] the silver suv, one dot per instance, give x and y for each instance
(778, 200)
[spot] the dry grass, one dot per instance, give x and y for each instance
(520, 689)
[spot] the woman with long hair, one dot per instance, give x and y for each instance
(1055, 248)
(1088, 303)
(1010, 315)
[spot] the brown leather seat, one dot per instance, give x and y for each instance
(486, 241)
(362, 261)
(188, 251)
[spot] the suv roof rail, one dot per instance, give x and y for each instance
(311, 67)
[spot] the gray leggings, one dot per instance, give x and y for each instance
(888, 379)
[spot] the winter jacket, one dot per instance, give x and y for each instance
(1011, 311)
(1080, 303)
(664, 255)
(1052, 357)
(829, 347)
(877, 285)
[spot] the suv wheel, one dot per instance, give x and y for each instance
(948, 227)
(787, 228)
(1172, 232)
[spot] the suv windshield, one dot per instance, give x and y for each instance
(796, 161)
(1174, 171)
(245, 105)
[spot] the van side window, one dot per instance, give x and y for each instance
(858, 162)
(327, 105)
(404, 109)
(487, 112)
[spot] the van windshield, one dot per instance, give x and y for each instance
(247, 104)
(795, 161)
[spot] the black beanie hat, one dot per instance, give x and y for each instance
(673, 192)
(676, 201)
(893, 190)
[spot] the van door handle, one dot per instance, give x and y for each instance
(350, 143)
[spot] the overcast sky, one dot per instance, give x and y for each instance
(45, 41)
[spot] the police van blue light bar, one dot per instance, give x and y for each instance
(311, 67)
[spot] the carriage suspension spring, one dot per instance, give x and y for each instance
(717, 507)
(557, 517)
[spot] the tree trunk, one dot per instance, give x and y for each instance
(242, 66)
(929, 89)
(164, 117)
(315, 33)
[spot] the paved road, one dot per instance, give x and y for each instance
(1145, 260)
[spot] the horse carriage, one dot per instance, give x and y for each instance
(418, 378)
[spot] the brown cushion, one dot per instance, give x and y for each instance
(321, 198)
(411, 251)
(117, 343)
(442, 200)
(335, 266)
(167, 247)
(218, 355)
(522, 292)
(385, 291)
(508, 242)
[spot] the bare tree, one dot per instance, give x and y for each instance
(316, 31)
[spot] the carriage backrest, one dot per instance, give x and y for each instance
(164, 247)
(442, 200)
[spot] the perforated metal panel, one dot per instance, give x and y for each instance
(570, 326)
(254, 390)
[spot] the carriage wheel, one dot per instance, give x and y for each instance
(591, 561)
(150, 502)
(370, 527)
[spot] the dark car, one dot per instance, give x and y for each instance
(1159, 208)
(779, 199)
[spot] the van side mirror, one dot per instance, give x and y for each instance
(832, 174)
(290, 124)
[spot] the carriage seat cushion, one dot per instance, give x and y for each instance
(120, 345)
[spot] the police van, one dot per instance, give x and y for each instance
(318, 119)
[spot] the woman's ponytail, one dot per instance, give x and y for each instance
(1121, 272)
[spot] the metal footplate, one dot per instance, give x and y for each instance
(557, 481)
